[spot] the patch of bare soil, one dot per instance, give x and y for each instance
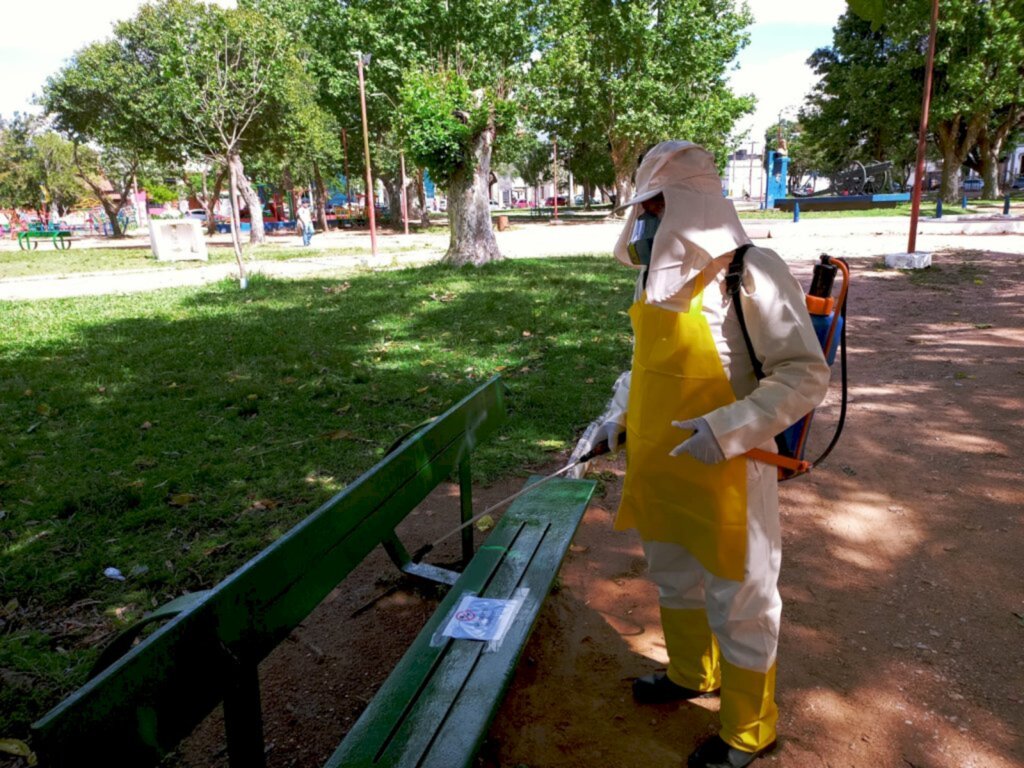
(903, 627)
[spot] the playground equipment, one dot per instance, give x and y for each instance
(857, 186)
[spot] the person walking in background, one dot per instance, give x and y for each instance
(305, 223)
(690, 407)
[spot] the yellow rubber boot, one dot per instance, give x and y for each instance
(748, 710)
(692, 649)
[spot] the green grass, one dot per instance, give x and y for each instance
(80, 260)
(173, 435)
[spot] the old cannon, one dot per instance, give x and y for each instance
(859, 179)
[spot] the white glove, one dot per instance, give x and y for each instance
(702, 444)
(609, 427)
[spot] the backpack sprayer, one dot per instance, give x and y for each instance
(828, 315)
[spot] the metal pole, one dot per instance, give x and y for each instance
(405, 204)
(922, 136)
(348, 177)
(370, 203)
(750, 181)
(554, 173)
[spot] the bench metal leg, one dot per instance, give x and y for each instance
(400, 556)
(466, 508)
(243, 719)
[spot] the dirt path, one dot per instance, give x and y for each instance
(903, 628)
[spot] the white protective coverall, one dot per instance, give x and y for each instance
(720, 608)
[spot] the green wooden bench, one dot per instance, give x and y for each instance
(435, 707)
(29, 239)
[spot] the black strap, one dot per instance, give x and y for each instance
(733, 281)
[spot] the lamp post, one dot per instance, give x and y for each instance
(554, 174)
(922, 136)
(362, 59)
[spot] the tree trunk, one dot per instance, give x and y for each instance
(209, 201)
(252, 199)
(624, 163)
(472, 237)
(955, 144)
(110, 208)
(989, 147)
(236, 225)
(321, 197)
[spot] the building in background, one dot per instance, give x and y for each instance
(744, 177)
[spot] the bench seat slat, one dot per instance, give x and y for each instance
(443, 698)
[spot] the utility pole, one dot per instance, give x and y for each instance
(370, 202)
(922, 136)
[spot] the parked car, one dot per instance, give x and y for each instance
(196, 213)
(522, 204)
(579, 200)
(1018, 183)
(562, 200)
(973, 185)
(494, 205)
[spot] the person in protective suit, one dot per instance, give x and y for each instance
(689, 408)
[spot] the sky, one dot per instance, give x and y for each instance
(772, 67)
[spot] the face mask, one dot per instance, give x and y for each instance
(642, 241)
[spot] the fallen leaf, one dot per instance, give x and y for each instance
(181, 499)
(19, 748)
(43, 409)
(421, 390)
(339, 434)
(485, 523)
(527, 334)
(261, 505)
(146, 425)
(101, 390)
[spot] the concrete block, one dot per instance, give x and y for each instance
(915, 260)
(177, 240)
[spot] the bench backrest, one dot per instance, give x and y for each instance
(141, 706)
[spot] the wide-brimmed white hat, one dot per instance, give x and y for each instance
(699, 224)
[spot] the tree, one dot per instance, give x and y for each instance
(627, 75)
(976, 92)
(20, 185)
(57, 174)
(101, 101)
(857, 110)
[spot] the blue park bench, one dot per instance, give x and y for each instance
(438, 702)
(29, 239)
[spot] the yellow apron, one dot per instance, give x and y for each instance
(677, 374)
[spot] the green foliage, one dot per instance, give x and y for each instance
(860, 109)
(439, 122)
(58, 178)
(20, 181)
(868, 101)
(626, 75)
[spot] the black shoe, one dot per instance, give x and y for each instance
(715, 753)
(658, 689)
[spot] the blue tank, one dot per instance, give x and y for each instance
(821, 325)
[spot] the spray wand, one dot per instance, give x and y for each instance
(598, 450)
